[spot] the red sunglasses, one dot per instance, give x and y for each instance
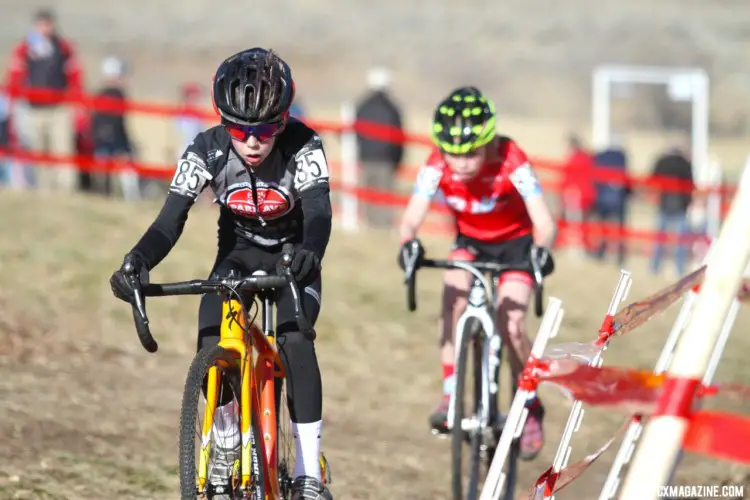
(263, 131)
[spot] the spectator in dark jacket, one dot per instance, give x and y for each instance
(674, 172)
(612, 194)
(380, 150)
(109, 132)
(44, 62)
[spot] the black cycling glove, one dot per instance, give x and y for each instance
(305, 266)
(410, 251)
(543, 258)
(123, 283)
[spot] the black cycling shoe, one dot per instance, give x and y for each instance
(439, 418)
(309, 488)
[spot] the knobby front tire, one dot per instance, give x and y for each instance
(471, 344)
(190, 425)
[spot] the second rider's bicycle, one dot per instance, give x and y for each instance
(474, 416)
(245, 369)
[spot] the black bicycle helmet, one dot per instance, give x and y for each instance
(463, 121)
(253, 86)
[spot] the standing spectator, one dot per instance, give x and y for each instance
(111, 141)
(44, 61)
(577, 189)
(189, 123)
(6, 169)
(83, 147)
(612, 194)
(380, 150)
(674, 172)
(13, 172)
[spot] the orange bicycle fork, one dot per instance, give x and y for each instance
(261, 388)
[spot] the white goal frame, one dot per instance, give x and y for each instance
(684, 84)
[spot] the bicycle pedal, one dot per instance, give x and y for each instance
(213, 490)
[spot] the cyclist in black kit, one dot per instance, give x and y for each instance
(270, 178)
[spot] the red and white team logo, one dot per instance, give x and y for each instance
(272, 202)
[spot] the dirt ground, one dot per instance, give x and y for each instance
(86, 413)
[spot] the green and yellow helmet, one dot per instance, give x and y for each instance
(464, 121)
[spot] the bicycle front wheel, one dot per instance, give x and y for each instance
(466, 415)
(286, 448)
(220, 480)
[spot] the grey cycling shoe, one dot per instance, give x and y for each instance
(309, 488)
(223, 461)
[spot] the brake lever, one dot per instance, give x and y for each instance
(538, 292)
(139, 310)
(138, 304)
(410, 263)
(302, 322)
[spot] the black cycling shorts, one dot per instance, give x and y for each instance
(244, 259)
(511, 252)
(297, 352)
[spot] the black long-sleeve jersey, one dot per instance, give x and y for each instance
(285, 199)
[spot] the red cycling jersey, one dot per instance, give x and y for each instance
(491, 207)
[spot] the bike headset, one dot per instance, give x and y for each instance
(463, 121)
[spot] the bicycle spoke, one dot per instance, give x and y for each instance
(467, 432)
(285, 439)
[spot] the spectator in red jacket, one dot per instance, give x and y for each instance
(44, 66)
(577, 178)
(577, 191)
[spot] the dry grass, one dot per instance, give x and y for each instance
(85, 413)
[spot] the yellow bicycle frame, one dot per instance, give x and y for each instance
(258, 398)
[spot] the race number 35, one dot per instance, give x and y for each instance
(311, 167)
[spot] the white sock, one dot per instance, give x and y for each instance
(307, 446)
(226, 426)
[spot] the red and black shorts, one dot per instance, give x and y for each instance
(511, 252)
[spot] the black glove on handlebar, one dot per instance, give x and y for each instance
(410, 250)
(305, 267)
(543, 258)
(123, 283)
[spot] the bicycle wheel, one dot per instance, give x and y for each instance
(513, 457)
(467, 410)
(285, 446)
(191, 429)
(492, 437)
